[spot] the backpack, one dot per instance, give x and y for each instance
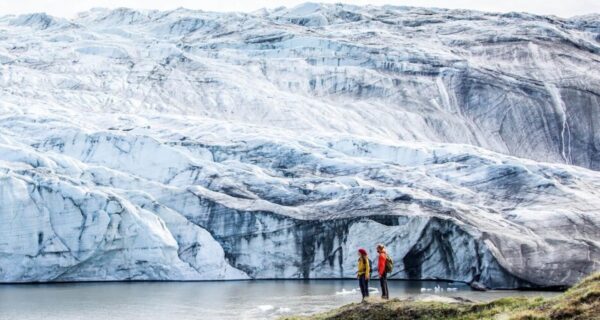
(389, 264)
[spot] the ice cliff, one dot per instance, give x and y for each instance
(198, 145)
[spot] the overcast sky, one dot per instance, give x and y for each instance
(562, 8)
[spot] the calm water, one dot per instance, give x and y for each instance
(265, 299)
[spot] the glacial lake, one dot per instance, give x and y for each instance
(258, 299)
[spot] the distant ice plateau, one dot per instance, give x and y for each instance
(192, 145)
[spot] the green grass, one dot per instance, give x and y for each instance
(581, 302)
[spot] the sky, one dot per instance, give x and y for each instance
(69, 9)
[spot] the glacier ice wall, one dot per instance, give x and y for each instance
(514, 83)
(195, 145)
(176, 197)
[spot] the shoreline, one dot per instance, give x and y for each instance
(582, 301)
(30, 283)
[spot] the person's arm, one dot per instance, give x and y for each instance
(381, 265)
(367, 269)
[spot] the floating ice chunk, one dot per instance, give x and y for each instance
(284, 310)
(265, 307)
(344, 292)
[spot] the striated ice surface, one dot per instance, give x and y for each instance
(196, 145)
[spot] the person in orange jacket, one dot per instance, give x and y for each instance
(381, 261)
(364, 271)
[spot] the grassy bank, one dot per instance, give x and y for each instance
(580, 302)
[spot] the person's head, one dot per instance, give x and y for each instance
(380, 248)
(362, 252)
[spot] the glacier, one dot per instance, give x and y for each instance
(192, 145)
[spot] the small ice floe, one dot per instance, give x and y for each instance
(284, 310)
(265, 307)
(437, 288)
(426, 289)
(344, 291)
(451, 289)
(373, 290)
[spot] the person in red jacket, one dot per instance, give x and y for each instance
(381, 261)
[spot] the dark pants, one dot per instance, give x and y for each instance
(364, 286)
(385, 294)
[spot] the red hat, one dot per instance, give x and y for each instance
(362, 251)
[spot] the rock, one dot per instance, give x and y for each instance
(477, 286)
(436, 298)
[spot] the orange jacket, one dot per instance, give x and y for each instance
(381, 264)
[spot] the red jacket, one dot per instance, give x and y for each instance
(381, 264)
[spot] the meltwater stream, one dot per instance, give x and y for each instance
(259, 299)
